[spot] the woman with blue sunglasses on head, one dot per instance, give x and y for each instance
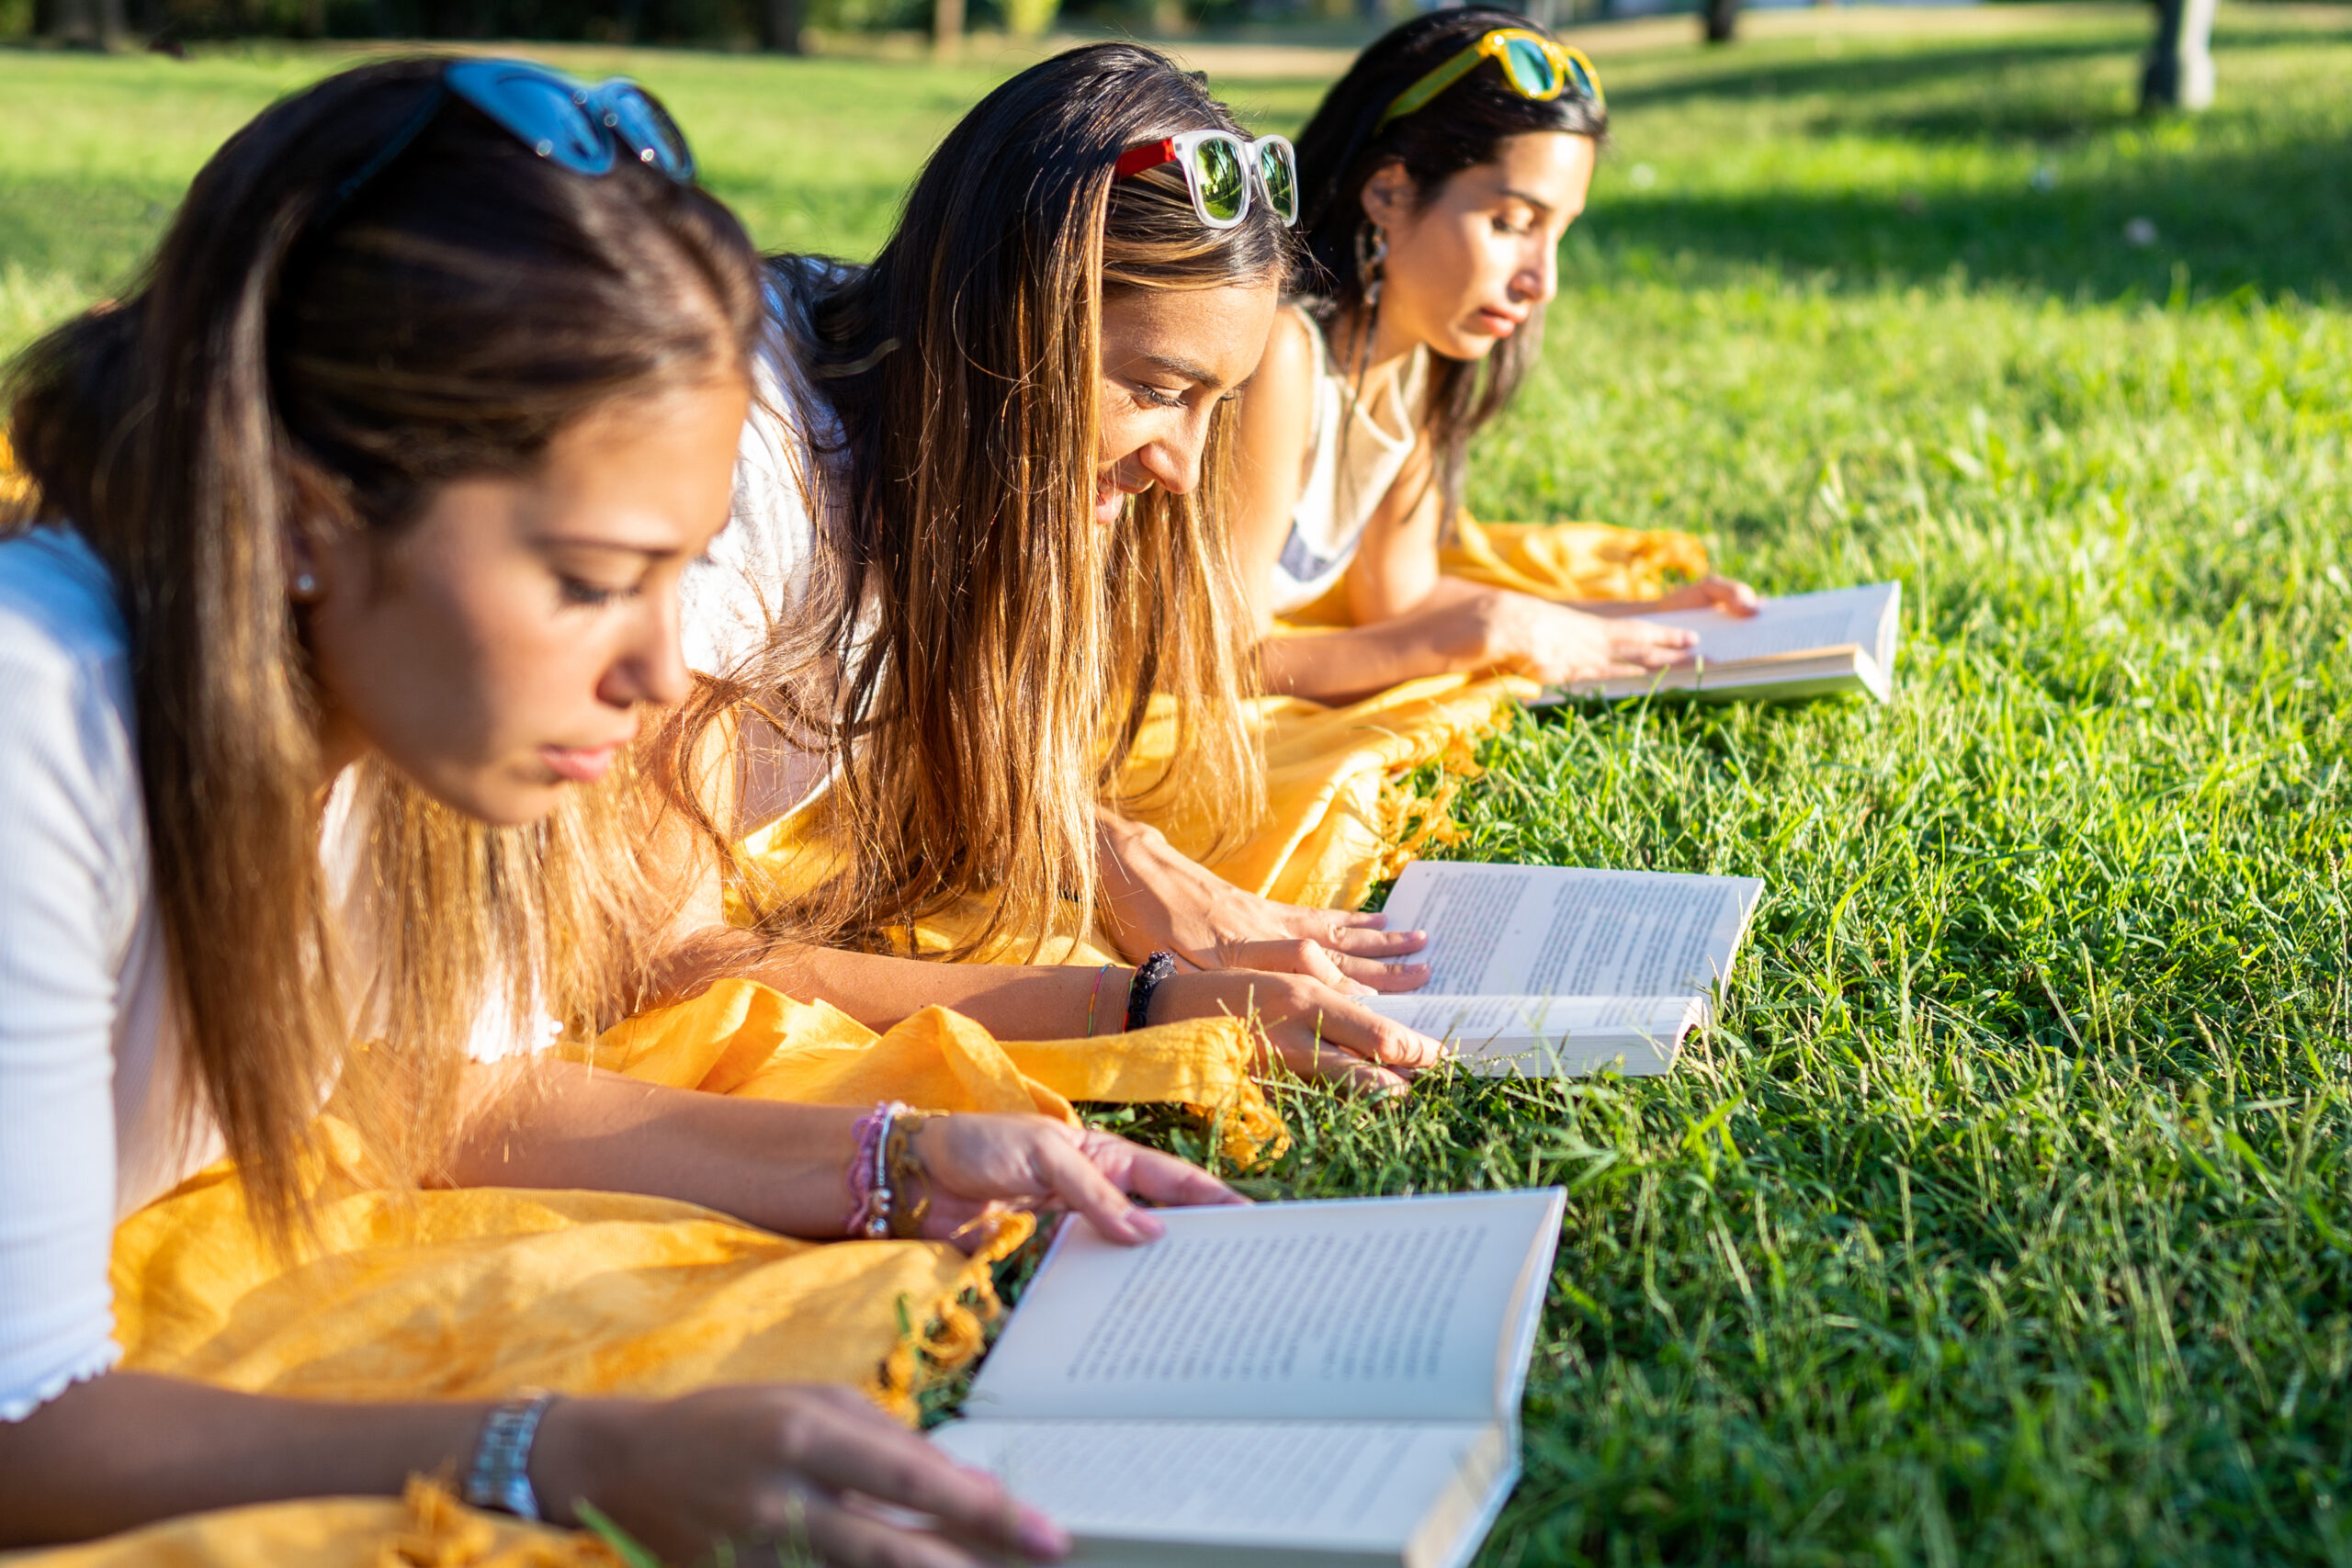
(351, 565)
(1437, 179)
(980, 531)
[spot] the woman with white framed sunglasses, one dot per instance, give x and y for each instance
(1437, 179)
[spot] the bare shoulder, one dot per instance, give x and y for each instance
(1289, 363)
(1277, 400)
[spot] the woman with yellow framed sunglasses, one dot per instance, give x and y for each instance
(1436, 181)
(1537, 67)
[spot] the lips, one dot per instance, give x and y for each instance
(1502, 323)
(1111, 497)
(579, 764)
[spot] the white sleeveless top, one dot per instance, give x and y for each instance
(1353, 455)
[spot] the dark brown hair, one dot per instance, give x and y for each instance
(303, 355)
(1341, 149)
(1007, 646)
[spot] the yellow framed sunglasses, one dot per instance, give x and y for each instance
(1535, 66)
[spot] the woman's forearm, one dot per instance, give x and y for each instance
(129, 1449)
(1446, 632)
(550, 1124)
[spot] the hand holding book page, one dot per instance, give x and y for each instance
(1551, 971)
(1798, 646)
(1294, 1383)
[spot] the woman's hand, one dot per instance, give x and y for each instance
(1317, 1032)
(1154, 898)
(1555, 645)
(1727, 594)
(1033, 1162)
(793, 1469)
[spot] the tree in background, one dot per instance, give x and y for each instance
(90, 24)
(1721, 20)
(2179, 70)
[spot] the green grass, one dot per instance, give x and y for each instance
(2007, 1218)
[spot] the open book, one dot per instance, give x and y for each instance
(1544, 971)
(1805, 645)
(1313, 1385)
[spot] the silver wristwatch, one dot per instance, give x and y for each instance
(500, 1476)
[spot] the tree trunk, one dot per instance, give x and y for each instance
(314, 18)
(1723, 20)
(780, 27)
(2179, 70)
(947, 27)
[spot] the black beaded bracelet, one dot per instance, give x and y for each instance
(1148, 974)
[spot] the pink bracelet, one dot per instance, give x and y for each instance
(869, 1182)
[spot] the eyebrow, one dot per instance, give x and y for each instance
(1182, 368)
(616, 547)
(1536, 202)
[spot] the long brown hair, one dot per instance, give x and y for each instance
(1344, 145)
(1006, 646)
(306, 352)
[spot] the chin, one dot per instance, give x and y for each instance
(1472, 346)
(514, 797)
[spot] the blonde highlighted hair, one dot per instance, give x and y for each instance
(988, 651)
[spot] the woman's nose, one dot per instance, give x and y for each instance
(654, 669)
(1174, 463)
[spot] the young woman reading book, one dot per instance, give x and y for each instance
(387, 472)
(981, 500)
(1437, 178)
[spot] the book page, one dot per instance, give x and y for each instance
(1335, 1486)
(1518, 931)
(1554, 1037)
(1798, 623)
(1387, 1308)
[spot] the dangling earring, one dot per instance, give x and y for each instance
(1372, 249)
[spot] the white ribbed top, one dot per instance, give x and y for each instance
(1354, 452)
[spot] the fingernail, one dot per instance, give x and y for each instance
(1040, 1537)
(1146, 1223)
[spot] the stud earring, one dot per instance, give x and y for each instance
(305, 584)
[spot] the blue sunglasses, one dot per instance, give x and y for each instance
(563, 119)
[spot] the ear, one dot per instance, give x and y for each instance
(1390, 196)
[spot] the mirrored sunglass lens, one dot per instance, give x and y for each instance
(645, 131)
(1218, 169)
(1274, 166)
(545, 114)
(1530, 68)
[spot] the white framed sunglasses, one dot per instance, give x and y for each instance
(1220, 169)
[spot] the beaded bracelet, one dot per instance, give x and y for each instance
(869, 1176)
(1148, 974)
(884, 1170)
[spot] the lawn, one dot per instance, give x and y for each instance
(2007, 1217)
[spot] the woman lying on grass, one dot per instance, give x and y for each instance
(382, 482)
(1010, 424)
(1437, 177)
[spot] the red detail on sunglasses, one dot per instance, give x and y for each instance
(1150, 155)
